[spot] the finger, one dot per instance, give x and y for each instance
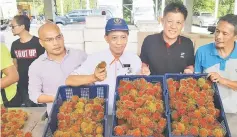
(209, 74)
(100, 70)
(216, 80)
(145, 65)
(215, 77)
(212, 78)
(103, 74)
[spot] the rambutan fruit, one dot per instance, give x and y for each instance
(203, 132)
(180, 127)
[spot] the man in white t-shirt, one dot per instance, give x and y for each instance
(117, 61)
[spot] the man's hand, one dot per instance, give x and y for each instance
(189, 70)
(215, 77)
(100, 74)
(145, 69)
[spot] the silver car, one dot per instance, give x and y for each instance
(63, 20)
(203, 19)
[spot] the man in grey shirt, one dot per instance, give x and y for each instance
(51, 69)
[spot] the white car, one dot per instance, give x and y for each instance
(203, 19)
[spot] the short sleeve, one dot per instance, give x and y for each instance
(144, 54)
(198, 62)
(191, 57)
(13, 54)
(137, 65)
(6, 59)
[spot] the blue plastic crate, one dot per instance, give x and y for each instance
(217, 101)
(152, 79)
(65, 93)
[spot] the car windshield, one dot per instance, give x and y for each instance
(206, 14)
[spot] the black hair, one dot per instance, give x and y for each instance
(176, 7)
(232, 19)
(23, 20)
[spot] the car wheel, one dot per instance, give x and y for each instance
(60, 24)
(3, 28)
(200, 24)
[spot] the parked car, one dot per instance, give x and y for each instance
(64, 20)
(4, 23)
(143, 10)
(212, 29)
(78, 15)
(102, 11)
(203, 19)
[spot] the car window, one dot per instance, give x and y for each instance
(206, 14)
(72, 15)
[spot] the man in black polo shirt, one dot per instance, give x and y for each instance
(168, 52)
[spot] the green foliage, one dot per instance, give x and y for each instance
(69, 5)
(226, 7)
(169, 1)
(204, 6)
(126, 12)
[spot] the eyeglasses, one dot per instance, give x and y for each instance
(13, 27)
(50, 40)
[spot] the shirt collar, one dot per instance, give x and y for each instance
(45, 55)
(178, 41)
(113, 59)
(233, 54)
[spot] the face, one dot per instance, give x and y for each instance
(117, 41)
(224, 34)
(53, 42)
(16, 28)
(172, 23)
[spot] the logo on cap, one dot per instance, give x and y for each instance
(117, 21)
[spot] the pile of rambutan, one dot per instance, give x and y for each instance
(140, 109)
(192, 108)
(81, 117)
(12, 122)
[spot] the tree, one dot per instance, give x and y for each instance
(204, 6)
(226, 7)
(126, 12)
(69, 5)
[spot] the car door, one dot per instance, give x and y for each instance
(73, 17)
(83, 15)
